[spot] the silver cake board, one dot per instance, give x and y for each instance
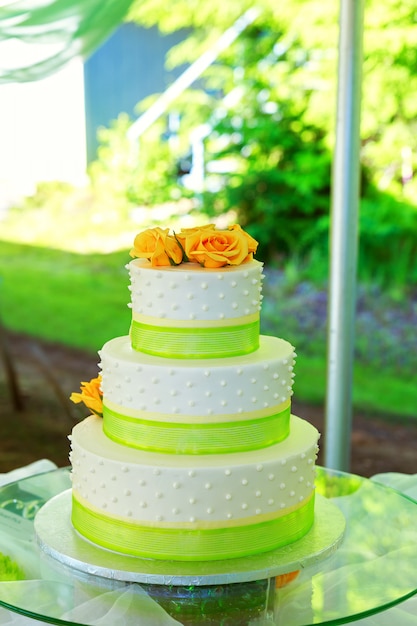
(58, 539)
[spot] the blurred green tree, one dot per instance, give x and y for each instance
(269, 104)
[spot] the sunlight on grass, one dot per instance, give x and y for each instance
(98, 229)
(79, 300)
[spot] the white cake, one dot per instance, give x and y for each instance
(197, 456)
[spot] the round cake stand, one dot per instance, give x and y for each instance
(371, 569)
(57, 538)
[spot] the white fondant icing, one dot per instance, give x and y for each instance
(180, 299)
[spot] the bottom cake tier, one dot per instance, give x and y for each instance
(190, 507)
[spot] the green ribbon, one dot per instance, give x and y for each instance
(195, 343)
(191, 544)
(196, 438)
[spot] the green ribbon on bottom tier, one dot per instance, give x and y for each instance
(194, 342)
(219, 437)
(192, 544)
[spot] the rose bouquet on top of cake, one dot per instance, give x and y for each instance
(205, 245)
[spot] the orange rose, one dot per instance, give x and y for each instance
(284, 579)
(252, 243)
(158, 246)
(91, 395)
(217, 248)
(186, 233)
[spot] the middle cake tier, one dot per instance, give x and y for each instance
(200, 407)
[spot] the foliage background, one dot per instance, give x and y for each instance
(269, 105)
(270, 102)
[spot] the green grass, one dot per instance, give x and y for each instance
(80, 300)
(374, 391)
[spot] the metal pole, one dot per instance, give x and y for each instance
(343, 238)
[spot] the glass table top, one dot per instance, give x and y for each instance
(372, 569)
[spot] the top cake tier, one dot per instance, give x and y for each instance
(193, 312)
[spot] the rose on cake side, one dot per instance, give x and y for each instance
(206, 245)
(91, 395)
(282, 580)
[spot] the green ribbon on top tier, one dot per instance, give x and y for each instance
(219, 437)
(194, 342)
(192, 544)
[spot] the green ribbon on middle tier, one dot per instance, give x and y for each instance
(219, 437)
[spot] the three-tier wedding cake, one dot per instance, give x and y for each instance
(191, 452)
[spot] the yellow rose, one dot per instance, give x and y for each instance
(217, 248)
(195, 229)
(158, 246)
(91, 395)
(186, 233)
(252, 243)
